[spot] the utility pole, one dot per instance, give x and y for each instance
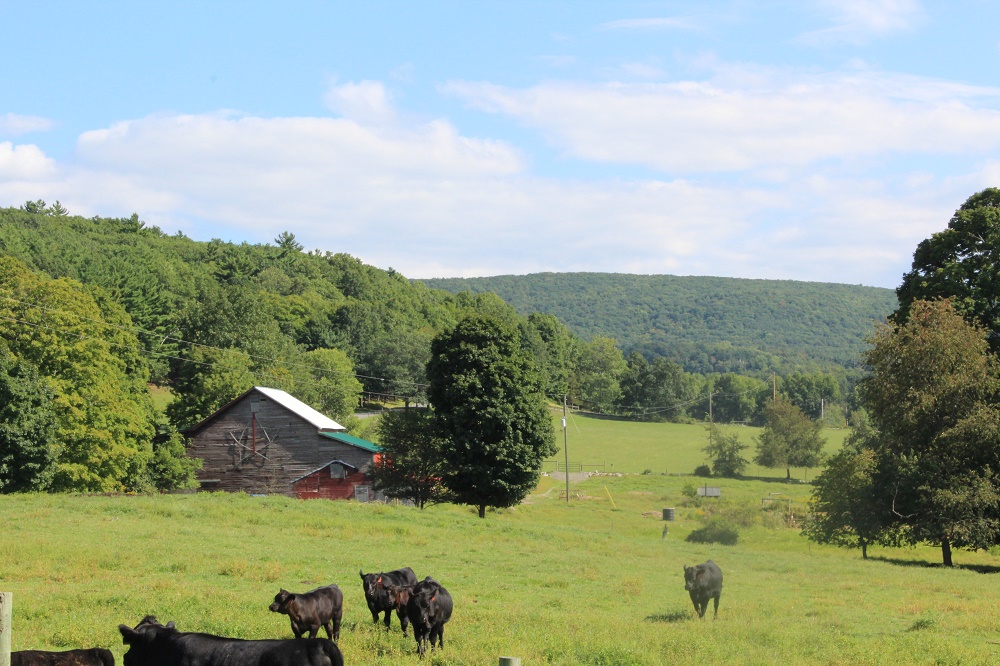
(566, 448)
(774, 387)
(710, 417)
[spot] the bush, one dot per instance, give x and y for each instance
(702, 470)
(715, 531)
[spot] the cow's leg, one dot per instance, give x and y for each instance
(702, 607)
(717, 604)
(403, 620)
(388, 618)
(296, 630)
(330, 633)
(313, 630)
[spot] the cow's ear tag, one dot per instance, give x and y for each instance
(434, 597)
(379, 579)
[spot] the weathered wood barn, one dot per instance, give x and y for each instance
(268, 442)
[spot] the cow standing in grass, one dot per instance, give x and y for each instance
(429, 608)
(704, 582)
(308, 611)
(375, 585)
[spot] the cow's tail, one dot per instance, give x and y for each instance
(332, 653)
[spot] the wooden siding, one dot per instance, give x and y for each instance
(295, 448)
(319, 485)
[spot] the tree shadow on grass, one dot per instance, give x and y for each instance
(978, 568)
(673, 616)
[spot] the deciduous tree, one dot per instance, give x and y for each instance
(411, 464)
(961, 263)
(789, 439)
(725, 450)
(932, 395)
(490, 411)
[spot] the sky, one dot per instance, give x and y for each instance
(816, 140)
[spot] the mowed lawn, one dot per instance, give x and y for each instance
(672, 448)
(592, 581)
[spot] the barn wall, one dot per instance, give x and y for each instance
(296, 448)
(319, 485)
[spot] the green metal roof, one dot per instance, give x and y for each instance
(353, 441)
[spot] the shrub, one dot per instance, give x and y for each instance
(715, 531)
(702, 470)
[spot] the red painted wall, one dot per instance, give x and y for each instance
(319, 485)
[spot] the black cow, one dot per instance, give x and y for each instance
(375, 585)
(91, 657)
(428, 608)
(308, 611)
(153, 644)
(704, 582)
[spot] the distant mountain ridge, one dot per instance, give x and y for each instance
(709, 324)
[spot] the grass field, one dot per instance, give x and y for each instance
(673, 448)
(593, 581)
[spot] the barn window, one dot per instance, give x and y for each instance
(337, 472)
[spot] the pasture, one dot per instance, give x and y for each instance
(592, 581)
(672, 448)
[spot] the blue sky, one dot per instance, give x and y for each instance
(791, 140)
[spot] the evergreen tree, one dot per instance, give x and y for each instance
(490, 411)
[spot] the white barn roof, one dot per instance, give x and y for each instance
(322, 423)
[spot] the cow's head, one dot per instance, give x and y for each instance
(692, 576)
(281, 600)
(370, 582)
(146, 641)
(399, 595)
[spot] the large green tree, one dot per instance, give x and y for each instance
(932, 395)
(961, 263)
(81, 342)
(490, 411)
(789, 439)
(848, 509)
(411, 464)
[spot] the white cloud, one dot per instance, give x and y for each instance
(24, 163)
(859, 20)
(744, 118)
(365, 102)
(430, 201)
(12, 124)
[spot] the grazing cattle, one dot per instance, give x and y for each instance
(153, 644)
(704, 582)
(375, 585)
(91, 657)
(428, 608)
(308, 611)
(399, 596)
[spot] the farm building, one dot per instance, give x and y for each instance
(268, 442)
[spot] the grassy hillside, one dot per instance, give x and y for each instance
(673, 448)
(583, 583)
(706, 323)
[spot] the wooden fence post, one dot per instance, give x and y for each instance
(6, 601)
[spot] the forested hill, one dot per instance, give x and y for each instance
(705, 323)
